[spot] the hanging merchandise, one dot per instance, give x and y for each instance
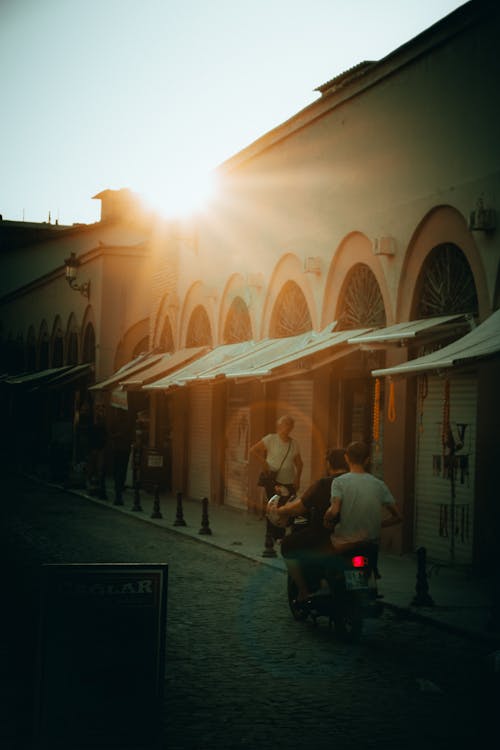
(391, 409)
(423, 392)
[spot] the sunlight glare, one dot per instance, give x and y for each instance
(185, 194)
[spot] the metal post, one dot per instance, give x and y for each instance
(422, 598)
(179, 517)
(205, 526)
(137, 498)
(269, 550)
(156, 504)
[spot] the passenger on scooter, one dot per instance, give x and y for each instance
(310, 540)
(358, 497)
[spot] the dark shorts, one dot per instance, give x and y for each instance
(305, 543)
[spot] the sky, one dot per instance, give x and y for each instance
(152, 95)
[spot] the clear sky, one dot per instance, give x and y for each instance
(153, 94)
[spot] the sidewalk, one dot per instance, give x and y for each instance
(462, 602)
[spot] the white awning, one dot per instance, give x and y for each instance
(401, 331)
(162, 367)
(483, 341)
(135, 365)
(250, 359)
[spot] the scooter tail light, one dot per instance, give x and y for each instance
(359, 561)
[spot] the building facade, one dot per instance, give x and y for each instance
(357, 236)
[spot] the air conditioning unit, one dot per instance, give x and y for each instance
(384, 246)
(312, 265)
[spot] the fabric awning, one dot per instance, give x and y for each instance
(75, 373)
(30, 379)
(483, 341)
(162, 367)
(135, 365)
(249, 359)
(403, 331)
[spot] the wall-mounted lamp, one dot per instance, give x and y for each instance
(72, 264)
(482, 219)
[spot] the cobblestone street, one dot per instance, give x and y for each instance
(240, 672)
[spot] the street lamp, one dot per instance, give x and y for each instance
(72, 264)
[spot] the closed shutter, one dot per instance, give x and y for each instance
(446, 539)
(236, 458)
(296, 399)
(200, 424)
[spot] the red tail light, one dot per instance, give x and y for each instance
(359, 561)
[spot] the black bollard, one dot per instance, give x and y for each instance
(137, 498)
(156, 504)
(422, 598)
(205, 526)
(269, 550)
(179, 516)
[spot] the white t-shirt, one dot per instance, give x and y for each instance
(276, 452)
(362, 497)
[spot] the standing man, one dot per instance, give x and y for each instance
(359, 497)
(280, 454)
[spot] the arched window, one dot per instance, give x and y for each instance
(291, 313)
(57, 348)
(445, 284)
(31, 350)
(140, 348)
(166, 339)
(238, 326)
(88, 354)
(72, 356)
(199, 332)
(43, 348)
(360, 304)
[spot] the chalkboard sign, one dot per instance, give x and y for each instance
(101, 656)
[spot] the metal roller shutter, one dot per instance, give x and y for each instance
(236, 464)
(200, 422)
(446, 541)
(296, 399)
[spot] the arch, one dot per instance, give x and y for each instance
(30, 355)
(354, 250)
(239, 299)
(165, 322)
(290, 314)
(199, 332)
(43, 346)
(496, 298)
(57, 343)
(195, 321)
(238, 326)
(136, 336)
(445, 284)
(72, 341)
(360, 303)
(166, 341)
(88, 344)
(288, 270)
(442, 225)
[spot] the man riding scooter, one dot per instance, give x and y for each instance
(310, 540)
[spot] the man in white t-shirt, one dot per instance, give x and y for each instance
(359, 499)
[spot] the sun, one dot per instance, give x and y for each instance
(183, 194)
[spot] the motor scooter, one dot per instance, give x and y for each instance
(343, 586)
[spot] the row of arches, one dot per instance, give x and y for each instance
(445, 284)
(41, 347)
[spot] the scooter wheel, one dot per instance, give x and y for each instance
(298, 612)
(348, 620)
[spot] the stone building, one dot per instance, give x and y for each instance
(356, 238)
